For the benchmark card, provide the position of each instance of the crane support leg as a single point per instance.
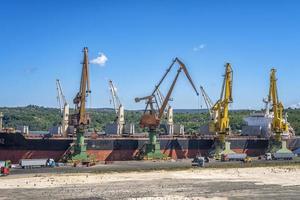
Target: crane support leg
(152, 151)
(220, 147)
(79, 154)
(278, 146)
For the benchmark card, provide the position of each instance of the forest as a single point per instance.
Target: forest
(41, 118)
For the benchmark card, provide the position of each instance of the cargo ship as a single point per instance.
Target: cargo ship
(254, 139)
(15, 146)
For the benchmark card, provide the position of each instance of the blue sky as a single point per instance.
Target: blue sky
(43, 40)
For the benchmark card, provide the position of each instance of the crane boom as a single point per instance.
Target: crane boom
(119, 109)
(167, 98)
(182, 66)
(60, 95)
(207, 100)
(84, 91)
(115, 98)
(152, 119)
(161, 98)
(64, 108)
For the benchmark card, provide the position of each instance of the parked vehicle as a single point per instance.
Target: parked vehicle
(32, 163)
(5, 168)
(280, 156)
(283, 156)
(268, 156)
(51, 162)
(233, 157)
(198, 161)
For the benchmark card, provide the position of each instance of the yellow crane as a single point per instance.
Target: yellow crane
(279, 124)
(219, 123)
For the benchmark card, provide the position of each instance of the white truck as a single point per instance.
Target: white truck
(233, 157)
(283, 156)
(279, 156)
(32, 163)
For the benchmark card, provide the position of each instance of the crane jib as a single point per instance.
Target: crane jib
(153, 118)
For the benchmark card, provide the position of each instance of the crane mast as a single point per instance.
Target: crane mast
(64, 108)
(220, 123)
(118, 107)
(84, 91)
(279, 124)
(152, 117)
(80, 120)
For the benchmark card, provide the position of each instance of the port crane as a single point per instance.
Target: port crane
(279, 123)
(118, 107)
(64, 108)
(208, 101)
(80, 120)
(219, 123)
(152, 116)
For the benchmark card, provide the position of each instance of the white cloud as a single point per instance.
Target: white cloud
(199, 47)
(100, 60)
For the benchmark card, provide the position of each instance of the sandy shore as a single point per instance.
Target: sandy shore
(186, 184)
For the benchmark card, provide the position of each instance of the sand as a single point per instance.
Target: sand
(185, 184)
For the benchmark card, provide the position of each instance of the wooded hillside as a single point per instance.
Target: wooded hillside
(41, 118)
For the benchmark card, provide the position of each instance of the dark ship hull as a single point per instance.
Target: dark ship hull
(14, 146)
